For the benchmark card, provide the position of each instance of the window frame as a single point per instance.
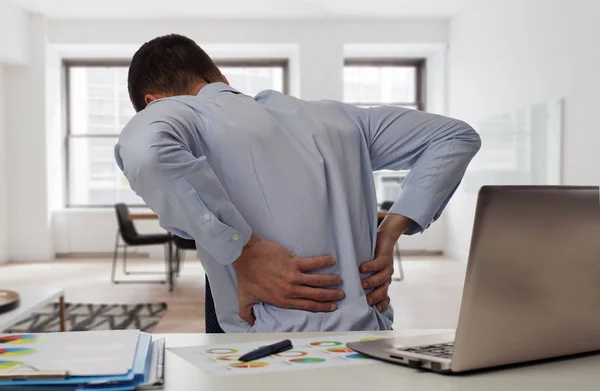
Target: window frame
(420, 71)
(67, 64)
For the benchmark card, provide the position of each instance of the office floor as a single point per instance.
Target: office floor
(429, 296)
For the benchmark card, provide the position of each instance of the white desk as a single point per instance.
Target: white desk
(31, 301)
(579, 374)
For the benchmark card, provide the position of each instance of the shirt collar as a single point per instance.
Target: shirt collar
(212, 89)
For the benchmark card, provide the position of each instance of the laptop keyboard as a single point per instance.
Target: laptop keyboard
(442, 350)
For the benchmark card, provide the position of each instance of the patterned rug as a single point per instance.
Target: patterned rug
(85, 317)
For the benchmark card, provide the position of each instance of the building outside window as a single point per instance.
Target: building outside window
(384, 82)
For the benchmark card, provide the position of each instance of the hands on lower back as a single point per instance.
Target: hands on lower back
(382, 265)
(267, 272)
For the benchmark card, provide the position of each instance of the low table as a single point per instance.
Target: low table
(31, 301)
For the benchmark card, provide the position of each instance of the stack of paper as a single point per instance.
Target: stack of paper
(107, 360)
(306, 354)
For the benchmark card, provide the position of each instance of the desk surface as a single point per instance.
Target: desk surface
(581, 373)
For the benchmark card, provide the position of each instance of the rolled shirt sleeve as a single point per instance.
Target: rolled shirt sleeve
(436, 150)
(160, 154)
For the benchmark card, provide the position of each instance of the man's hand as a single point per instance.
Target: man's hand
(382, 266)
(268, 273)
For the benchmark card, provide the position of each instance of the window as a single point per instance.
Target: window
(98, 107)
(384, 82)
(370, 83)
(252, 77)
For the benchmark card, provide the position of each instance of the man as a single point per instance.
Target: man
(278, 192)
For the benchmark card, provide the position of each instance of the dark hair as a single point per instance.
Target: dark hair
(169, 64)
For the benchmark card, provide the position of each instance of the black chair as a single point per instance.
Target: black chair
(180, 246)
(385, 206)
(210, 314)
(131, 237)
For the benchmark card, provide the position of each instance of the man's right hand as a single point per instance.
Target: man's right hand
(268, 273)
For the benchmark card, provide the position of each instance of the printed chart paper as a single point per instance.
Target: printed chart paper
(89, 353)
(308, 353)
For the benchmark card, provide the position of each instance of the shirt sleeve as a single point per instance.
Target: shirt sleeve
(436, 150)
(160, 156)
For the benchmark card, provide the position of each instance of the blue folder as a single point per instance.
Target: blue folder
(138, 375)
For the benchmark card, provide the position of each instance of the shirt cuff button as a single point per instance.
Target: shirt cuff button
(235, 237)
(206, 216)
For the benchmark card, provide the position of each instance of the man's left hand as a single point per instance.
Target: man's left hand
(382, 266)
(382, 269)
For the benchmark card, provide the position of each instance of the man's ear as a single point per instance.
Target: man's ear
(151, 97)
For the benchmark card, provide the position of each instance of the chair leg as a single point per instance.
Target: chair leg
(165, 257)
(170, 260)
(399, 263)
(180, 257)
(175, 260)
(114, 267)
(168, 255)
(175, 254)
(125, 260)
(115, 254)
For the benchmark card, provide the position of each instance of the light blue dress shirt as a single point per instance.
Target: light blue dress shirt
(220, 165)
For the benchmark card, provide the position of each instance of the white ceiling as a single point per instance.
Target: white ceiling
(244, 9)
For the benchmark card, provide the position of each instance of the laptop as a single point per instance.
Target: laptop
(532, 287)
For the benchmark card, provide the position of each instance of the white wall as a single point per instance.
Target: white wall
(13, 33)
(316, 51)
(29, 217)
(3, 192)
(13, 50)
(512, 53)
(320, 42)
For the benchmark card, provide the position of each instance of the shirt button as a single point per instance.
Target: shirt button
(206, 216)
(235, 237)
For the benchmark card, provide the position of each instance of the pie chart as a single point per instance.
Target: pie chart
(355, 356)
(307, 360)
(18, 339)
(229, 357)
(325, 343)
(249, 365)
(292, 353)
(340, 349)
(221, 351)
(8, 365)
(14, 352)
